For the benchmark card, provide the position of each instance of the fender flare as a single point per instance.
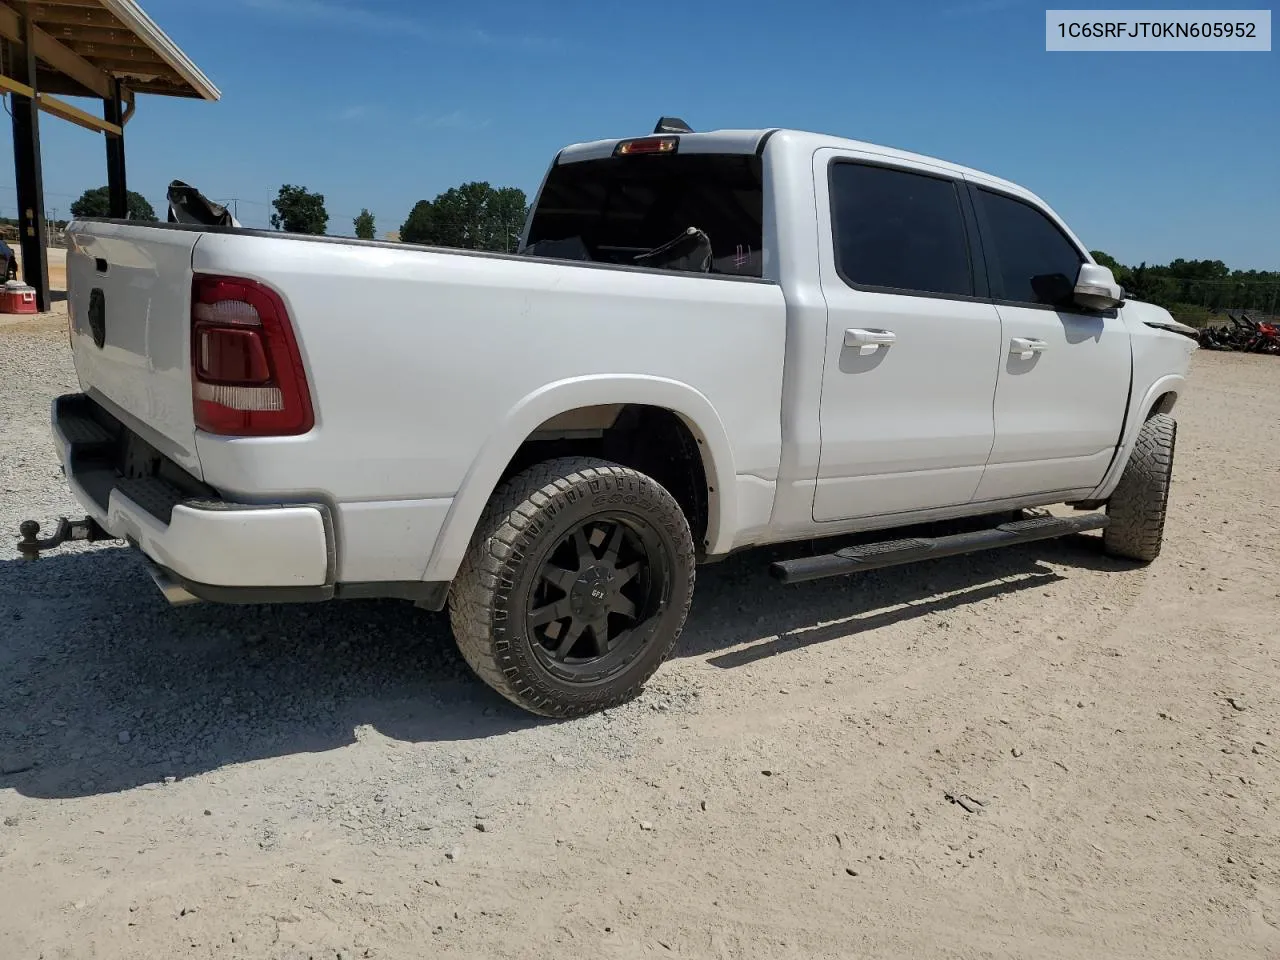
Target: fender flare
(1173, 383)
(561, 397)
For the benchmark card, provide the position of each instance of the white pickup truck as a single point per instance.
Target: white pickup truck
(706, 342)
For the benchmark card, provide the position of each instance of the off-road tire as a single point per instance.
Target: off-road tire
(1137, 507)
(527, 517)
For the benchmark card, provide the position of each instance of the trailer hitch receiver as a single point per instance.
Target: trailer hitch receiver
(30, 546)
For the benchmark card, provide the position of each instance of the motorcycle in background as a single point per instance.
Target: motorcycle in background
(1242, 334)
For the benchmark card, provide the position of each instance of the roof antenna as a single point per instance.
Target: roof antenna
(672, 125)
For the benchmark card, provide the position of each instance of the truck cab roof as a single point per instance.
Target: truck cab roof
(803, 141)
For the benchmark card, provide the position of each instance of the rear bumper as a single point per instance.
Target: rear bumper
(229, 546)
(182, 525)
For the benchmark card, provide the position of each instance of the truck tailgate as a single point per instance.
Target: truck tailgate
(129, 299)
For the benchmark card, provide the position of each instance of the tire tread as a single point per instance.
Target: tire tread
(1140, 502)
(490, 561)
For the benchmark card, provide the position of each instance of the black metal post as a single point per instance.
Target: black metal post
(30, 180)
(117, 188)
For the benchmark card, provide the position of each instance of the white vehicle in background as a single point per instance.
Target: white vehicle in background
(708, 342)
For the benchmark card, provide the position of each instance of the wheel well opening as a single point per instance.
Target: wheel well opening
(653, 440)
(1163, 405)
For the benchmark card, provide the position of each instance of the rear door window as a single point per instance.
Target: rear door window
(898, 230)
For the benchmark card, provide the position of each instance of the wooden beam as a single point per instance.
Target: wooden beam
(60, 57)
(14, 86)
(164, 89)
(71, 63)
(83, 34)
(88, 17)
(134, 68)
(52, 81)
(116, 51)
(60, 108)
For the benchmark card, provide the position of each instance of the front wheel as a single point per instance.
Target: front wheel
(575, 587)
(1137, 507)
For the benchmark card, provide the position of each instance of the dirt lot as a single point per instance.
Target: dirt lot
(328, 781)
(57, 269)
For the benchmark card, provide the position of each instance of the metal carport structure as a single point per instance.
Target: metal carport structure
(108, 50)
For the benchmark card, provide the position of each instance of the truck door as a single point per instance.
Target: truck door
(913, 340)
(1064, 371)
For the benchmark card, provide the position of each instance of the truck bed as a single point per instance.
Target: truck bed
(425, 366)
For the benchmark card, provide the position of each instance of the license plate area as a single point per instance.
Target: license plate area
(106, 455)
(135, 458)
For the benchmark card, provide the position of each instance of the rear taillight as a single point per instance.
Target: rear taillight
(247, 378)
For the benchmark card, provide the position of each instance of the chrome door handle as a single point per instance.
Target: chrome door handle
(1024, 348)
(869, 341)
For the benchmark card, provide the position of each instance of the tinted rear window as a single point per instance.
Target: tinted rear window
(622, 207)
(899, 230)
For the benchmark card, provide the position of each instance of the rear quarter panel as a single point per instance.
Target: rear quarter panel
(427, 368)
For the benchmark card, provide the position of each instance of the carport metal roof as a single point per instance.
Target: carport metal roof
(104, 49)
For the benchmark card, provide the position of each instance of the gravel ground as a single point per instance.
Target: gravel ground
(328, 781)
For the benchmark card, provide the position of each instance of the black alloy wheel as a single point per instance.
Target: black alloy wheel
(576, 586)
(596, 590)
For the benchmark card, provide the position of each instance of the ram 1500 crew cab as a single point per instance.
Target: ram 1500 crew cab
(705, 342)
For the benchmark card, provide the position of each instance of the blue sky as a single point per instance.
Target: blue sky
(380, 103)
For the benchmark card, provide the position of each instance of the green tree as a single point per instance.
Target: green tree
(97, 203)
(506, 210)
(1193, 290)
(1140, 281)
(420, 226)
(1118, 269)
(298, 210)
(1106, 260)
(364, 225)
(472, 216)
(461, 216)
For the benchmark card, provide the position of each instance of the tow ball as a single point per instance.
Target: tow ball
(30, 546)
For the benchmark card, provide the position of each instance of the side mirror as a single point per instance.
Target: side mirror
(1096, 288)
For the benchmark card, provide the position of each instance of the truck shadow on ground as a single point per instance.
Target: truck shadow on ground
(103, 687)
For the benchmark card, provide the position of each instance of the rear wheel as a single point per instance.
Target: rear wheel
(1138, 506)
(575, 587)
